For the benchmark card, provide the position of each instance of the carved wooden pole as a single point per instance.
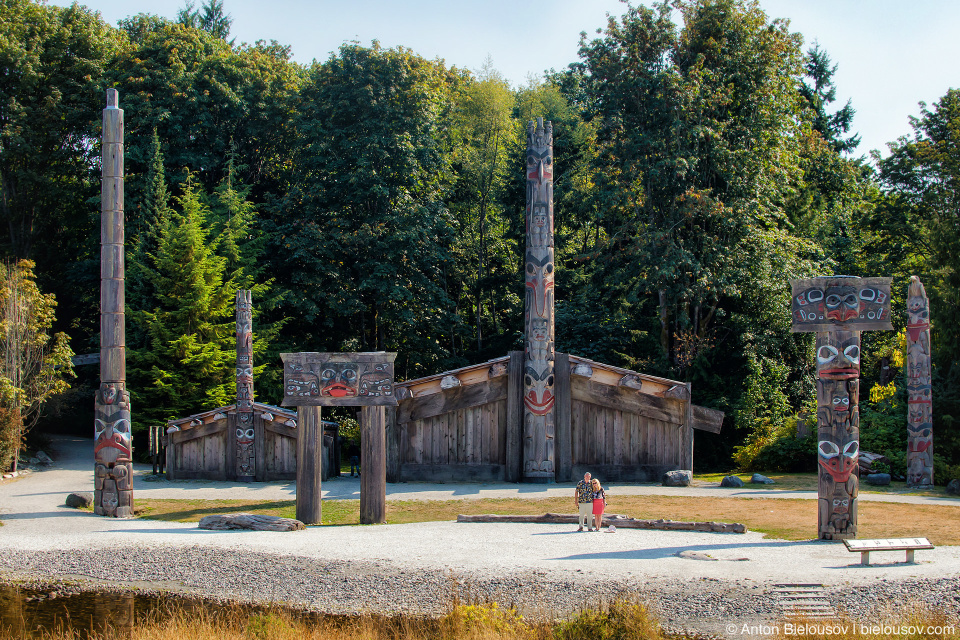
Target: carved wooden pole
(112, 448)
(919, 396)
(309, 464)
(838, 308)
(373, 480)
(245, 434)
(539, 418)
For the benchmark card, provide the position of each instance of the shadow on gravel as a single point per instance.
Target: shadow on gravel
(666, 552)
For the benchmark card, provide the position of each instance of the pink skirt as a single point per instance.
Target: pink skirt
(598, 507)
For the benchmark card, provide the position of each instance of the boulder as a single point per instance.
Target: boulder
(254, 522)
(760, 479)
(953, 487)
(679, 478)
(44, 458)
(878, 479)
(33, 461)
(731, 481)
(79, 499)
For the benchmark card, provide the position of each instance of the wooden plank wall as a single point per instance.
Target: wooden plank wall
(198, 452)
(468, 444)
(618, 445)
(279, 451)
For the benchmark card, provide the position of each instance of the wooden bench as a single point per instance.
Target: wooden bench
(890, 544)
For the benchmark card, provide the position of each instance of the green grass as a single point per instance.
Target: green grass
(808, 482)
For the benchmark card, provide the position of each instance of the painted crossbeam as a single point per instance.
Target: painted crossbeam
(338, 379)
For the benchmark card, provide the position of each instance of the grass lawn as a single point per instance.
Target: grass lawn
(778, 518)
(808, 482)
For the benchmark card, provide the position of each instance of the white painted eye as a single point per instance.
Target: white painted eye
(249, 433)
(239, 433)
(852, 353)
(828, 449)
(851, 449)
(815, 295)
(826, 354)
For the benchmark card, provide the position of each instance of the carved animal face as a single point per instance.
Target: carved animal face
(339, 379)
(108, 392)
(111, 441)
(838, 355)
(245, 436)
(538, 391)
(838, 460)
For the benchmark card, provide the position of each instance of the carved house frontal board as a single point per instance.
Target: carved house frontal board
(338, 379)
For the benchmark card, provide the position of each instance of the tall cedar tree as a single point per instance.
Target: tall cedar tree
(364, 243)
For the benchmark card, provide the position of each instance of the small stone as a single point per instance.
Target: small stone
(758, 478)
(953, 487)
(678, 478)
(878, 479)
(79, 499)
(7, 476)
(731, 481)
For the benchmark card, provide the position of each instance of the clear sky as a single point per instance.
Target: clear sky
(891, 54)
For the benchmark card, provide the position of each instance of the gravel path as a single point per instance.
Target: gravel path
(420, 567)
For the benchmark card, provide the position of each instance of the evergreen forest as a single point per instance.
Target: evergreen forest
(374, 201)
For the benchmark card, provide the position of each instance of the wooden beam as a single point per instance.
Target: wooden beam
(309, 452)
(280, 428)
(192, 433)
(707, 419)
(453, 399)
(514, 445)
(564, 443)
(373, 461)
(686, 432)
(623, 399)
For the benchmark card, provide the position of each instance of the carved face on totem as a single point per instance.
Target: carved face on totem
(244, 373)
(838, 355)
(539, 282)
(838, 460)
(918, 312)
(339, 380)
(375, 383)
(539, 330)
(111, 441)
(109, 392)
(538, 389)
(826, 304)
(245, 436)
(539, 165)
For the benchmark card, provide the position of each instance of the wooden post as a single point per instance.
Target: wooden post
(686, 433)
(838, 308)
(112, 449)
(373, 479)
(309, 450)
(564, 449)
(919, 391)
(539, 415)
(245, 436)
(514, 440)
(393, 445)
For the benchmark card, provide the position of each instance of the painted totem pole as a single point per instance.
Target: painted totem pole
(538, 378)
(246, 457)
(112, 448)
(838, 308)
(919, 397)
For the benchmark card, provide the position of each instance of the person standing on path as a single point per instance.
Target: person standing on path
(599, 503)
(583, 495)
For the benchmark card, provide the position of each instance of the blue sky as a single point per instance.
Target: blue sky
(891, 54)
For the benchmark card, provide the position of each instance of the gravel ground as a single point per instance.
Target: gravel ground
(694, 580)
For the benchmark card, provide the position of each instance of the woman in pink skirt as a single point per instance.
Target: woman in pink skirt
(599, 502)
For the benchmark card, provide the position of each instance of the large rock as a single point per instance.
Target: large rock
(953, 487)
(878, 479)
(679, 478)
(79, 500)
(731, 481)
(250, 521)
(758, 478)
(866, 460)
(44, 458)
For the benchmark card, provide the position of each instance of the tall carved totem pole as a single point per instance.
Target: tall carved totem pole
(919, 396)
(838, 308)
(538, 393)
(112, 448)
(246, 435)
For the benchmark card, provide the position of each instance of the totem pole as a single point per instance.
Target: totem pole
(112, 449)
(538, 378)
(919, 405)
(246, 457)
(838, 308)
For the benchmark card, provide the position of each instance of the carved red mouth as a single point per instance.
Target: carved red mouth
(338, 390)
(115, 442)
(842, 314)
(839, 467)
(846, 373)
(539, 407)
(918, 446)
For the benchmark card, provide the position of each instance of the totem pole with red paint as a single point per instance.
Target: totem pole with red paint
(838, 308)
